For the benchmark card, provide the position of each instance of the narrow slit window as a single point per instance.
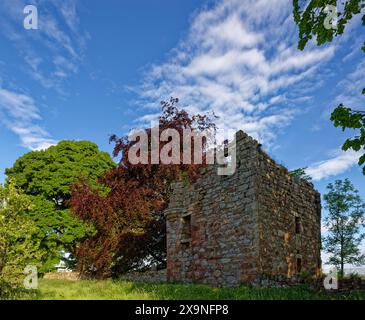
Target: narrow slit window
(297, 225)
(226, 153)
(299, 265)
(186, 229)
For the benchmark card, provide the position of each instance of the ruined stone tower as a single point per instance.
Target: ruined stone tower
(259, 222)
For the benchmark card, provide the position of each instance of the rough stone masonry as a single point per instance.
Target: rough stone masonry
(257, 223)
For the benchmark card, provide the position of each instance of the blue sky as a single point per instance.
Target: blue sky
(91, 70)
(95, 68)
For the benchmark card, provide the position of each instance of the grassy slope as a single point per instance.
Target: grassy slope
(108, 289)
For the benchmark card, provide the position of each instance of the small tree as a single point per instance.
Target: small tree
(301, 174)
(17, 245)
(343, 222)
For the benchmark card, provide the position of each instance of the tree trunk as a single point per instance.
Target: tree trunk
(342, 259)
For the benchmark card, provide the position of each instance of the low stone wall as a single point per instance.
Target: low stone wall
(351, 284)
(73, 276)
(147, 276)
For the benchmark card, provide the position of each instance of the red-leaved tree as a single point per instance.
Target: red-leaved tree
(129, 222)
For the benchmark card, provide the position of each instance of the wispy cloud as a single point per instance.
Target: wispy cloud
(51, 54)
(59, 37)
(19, 113)
(240, 59)
(337, 164)
(351, 88)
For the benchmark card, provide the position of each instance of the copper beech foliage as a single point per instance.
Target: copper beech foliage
(129, 222)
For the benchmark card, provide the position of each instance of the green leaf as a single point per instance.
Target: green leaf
(362, 160)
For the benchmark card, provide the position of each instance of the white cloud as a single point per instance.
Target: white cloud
(240, 59)
(51, 54)
(351, 88)
(232, 32)
(18, 112)
(338, 164)
(58, 35)
(19, 106)
(33, 137)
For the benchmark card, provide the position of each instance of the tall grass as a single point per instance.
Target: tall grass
(124, 290)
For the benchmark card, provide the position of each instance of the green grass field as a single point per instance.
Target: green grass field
(121, 290)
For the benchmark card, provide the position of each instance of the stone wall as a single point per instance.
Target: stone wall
(223, 245)
(289, 222)
(73, 276)
(151, 276)
(226, 230)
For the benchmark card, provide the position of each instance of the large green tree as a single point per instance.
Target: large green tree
(18, 246)
(314, 20)
(343, 222)
(47, 176)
